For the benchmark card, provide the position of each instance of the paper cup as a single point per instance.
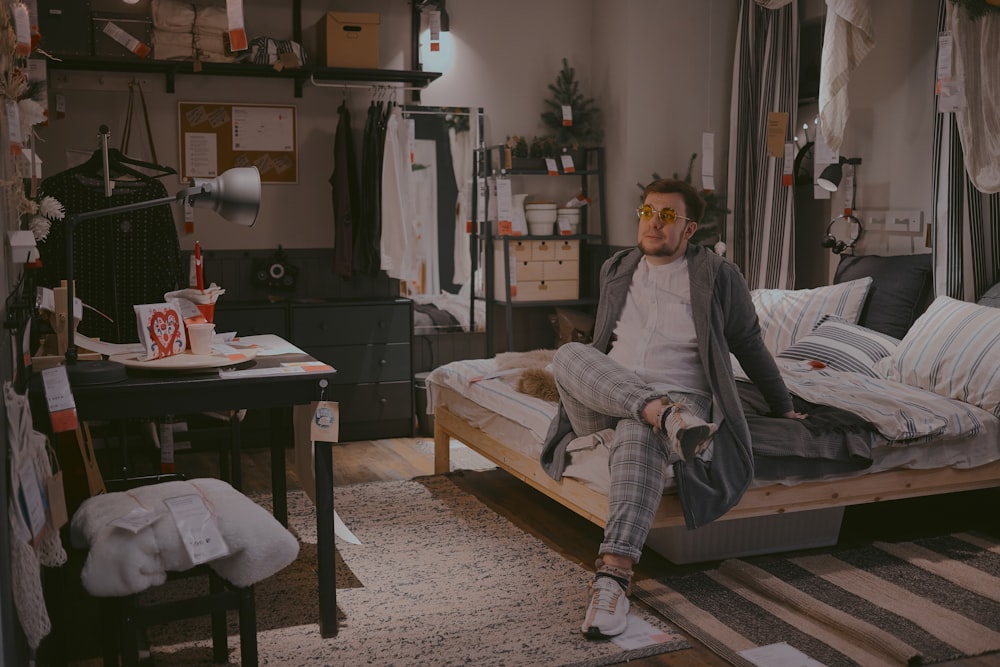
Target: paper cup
(200, 338)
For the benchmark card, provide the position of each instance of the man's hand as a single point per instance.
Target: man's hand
(792, 414)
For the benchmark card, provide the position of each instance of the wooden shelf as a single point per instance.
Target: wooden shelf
(299, 75)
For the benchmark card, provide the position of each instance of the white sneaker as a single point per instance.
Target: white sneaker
(688, 434)
(607, 613)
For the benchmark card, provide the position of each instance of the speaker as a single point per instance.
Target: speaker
(275, 272)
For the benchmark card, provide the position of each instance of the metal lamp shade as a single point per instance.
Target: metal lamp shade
(831, 177)
(234, 195)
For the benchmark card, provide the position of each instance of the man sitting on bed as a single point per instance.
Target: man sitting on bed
(659, 372)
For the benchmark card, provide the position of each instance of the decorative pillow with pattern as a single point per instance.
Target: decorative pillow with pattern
(789, 315)
(842, 346)
(953, 349)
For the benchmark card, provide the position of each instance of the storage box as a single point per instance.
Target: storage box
(752, 536)
(126, 26)
(348, 39)
(63, 27)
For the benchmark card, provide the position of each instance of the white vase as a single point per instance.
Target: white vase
(517, 213)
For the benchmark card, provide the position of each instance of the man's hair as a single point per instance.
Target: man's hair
(694, 205)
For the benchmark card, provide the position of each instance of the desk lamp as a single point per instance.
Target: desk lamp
(235, 196)
(830, 180)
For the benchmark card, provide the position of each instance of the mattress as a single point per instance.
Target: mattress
(473, 391)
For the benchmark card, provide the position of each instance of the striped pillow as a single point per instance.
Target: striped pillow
(953, 349)
(843, 346)
(788, 315)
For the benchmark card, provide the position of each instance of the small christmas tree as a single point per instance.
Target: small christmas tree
(583, 127)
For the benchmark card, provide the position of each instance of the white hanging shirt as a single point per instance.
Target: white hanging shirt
(655, 336)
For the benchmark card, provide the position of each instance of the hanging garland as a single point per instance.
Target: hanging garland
(978, 8)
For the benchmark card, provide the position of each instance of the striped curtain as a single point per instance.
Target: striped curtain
(760, 230)
(966, 234)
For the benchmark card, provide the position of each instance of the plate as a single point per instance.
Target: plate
(185, 361)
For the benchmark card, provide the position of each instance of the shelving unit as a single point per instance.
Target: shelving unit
(299, 76)
(551, 248)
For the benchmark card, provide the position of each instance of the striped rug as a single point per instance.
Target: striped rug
(919, 602)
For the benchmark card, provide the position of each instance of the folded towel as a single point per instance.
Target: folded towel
(847, 40)
(120, 562)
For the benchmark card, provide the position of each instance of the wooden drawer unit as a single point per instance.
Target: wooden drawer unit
(369, 343)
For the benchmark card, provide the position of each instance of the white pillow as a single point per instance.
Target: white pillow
(953, 349)
(842, 346)
(788, 315)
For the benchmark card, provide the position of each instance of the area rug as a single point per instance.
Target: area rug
(460, 457)
(444, 581)
(919, 602)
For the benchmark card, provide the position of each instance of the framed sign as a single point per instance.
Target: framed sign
(215, 137)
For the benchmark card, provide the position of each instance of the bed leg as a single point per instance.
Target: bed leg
(442, 450)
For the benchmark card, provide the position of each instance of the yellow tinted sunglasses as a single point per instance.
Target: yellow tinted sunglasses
(667, 215)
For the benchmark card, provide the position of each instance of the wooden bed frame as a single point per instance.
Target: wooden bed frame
(757, 501)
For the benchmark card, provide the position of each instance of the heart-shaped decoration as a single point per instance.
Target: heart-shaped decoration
(165, 332)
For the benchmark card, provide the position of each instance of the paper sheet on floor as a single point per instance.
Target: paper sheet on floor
(342, 531)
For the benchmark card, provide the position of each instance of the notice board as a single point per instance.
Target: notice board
(215, 137)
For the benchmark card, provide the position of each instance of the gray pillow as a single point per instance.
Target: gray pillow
(991, 297)
(902, 288)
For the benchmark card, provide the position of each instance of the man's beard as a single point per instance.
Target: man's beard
(661, 250)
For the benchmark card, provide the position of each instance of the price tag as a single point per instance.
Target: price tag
(944, 60)
(237, 32)
(505, 207)
(128, 41)
(200, 535)
(22, 29)
(325, 426)
(551, 167)
(13, 127)
(59, 397)
(56, 494)
(786, 170)
(567, 115)
(29, 496)
(567, 164)
(434, 21)
(137, 519)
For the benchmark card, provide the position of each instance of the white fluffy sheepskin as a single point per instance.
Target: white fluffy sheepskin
(120, 562)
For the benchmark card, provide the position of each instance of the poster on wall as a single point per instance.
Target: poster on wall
(214, 137)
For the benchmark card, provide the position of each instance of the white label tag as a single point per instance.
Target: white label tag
(567, 115)
(122, 37)
(944, 59)
(708, 161)
(434, 21)
(567, 163)
(59, 397)
(199, 533)
(237, 31)
(325, 426)
(551, 166)
(13, 127)
(137, 519)
(30, 498)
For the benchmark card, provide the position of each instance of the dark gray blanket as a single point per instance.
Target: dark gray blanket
(829, 441)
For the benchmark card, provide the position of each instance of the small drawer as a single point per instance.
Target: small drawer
(251, 321)
(542, 290)
(350, 325)
(543, 250)
(560, 270)
(567, 250)
(366, 363)
(519, 249)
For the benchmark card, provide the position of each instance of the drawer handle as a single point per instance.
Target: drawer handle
(382, 362)
(383, 400)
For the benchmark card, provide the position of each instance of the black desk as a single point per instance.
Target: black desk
(147, 394)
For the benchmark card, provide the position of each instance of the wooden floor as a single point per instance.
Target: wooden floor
(577, 539)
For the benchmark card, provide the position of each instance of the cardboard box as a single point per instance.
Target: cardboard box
(348, 39)
(62, 24)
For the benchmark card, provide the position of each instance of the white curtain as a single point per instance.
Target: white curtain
(966, 218)
(847, 39)
(760, 230)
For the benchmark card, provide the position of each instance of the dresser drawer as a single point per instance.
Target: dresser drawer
(252, 320)
(365, 363)
(370, 411)
(351, 324)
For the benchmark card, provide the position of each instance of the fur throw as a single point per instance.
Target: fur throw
(536, 378)
(120, 562)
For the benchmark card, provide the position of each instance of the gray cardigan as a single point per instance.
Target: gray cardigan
(724, 321)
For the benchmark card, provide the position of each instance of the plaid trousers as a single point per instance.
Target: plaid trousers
(598, 393)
